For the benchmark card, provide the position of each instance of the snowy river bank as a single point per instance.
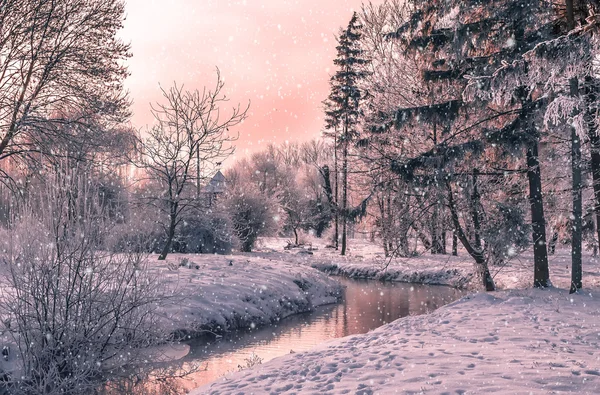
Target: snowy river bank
(517, 340)
(220, 294)
(532, 341)
(366, 305)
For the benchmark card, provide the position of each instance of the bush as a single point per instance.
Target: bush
(76, 313)
(252, 215)
(139, 234)
(208, 232)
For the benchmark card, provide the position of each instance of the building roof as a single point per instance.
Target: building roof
(217, 184)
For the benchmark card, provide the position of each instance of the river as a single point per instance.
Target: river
(367, 304)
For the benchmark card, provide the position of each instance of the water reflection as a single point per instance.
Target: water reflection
(367, 305)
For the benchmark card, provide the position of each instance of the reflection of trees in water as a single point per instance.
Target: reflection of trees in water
(132, 386)
(369, 305)
(170, 379)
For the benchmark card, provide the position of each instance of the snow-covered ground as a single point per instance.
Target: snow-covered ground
(518, 340)
(224, 293)
(366, 260)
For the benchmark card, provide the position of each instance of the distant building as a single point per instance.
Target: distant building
(215, 187)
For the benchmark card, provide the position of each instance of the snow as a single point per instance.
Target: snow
(224, 293)
(518, 340)
(366, 260)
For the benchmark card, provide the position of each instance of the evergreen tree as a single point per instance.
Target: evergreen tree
(576, 239)
(560, 65)
(486, 37)
(554, 69)
(344, 109)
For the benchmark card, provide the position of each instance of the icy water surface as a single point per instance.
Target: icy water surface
(367, 304)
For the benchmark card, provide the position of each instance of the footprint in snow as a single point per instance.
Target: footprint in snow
(363, 389)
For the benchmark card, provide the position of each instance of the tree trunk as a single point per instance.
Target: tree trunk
(336, 236)
(170, 233)
(420, 232)
(438, 235)
(323, 220)
(421, 236)
(592, 132)
(386, 249)
(576, 266)
(198, 173)
(383, 225)
(387, 224)
(344, 196)
(477, 254)
(438, 244)
(403, 226)
(475, 203)
(454, 243)
(552, 244)
(435, 247)
(326, 173)
(443, 240)
(541, 274)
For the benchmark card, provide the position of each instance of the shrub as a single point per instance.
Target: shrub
(252, 215)
(75, 312)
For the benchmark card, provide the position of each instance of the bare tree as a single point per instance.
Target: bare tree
(58, 58)
(190, 132)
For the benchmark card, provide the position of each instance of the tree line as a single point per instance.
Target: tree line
(472, 119)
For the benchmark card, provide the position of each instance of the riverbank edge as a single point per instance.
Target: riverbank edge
(239, 323)
(455, 278)
(303, 292)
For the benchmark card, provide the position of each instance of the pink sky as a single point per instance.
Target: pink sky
(276, 53)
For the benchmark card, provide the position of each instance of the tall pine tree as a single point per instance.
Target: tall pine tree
(562, 66)
(345, 106)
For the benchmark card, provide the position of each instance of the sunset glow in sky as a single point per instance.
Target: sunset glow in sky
(276, 53)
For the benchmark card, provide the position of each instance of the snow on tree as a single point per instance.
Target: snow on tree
(61, 64)
(477, 100)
